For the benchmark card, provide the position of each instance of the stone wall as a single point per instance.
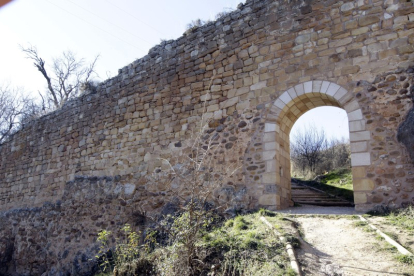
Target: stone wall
(60, 238)
(250, 75)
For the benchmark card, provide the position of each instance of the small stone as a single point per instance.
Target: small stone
(306, 9)
(220, 128)
(242, 124)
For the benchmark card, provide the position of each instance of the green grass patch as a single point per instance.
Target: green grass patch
(364, 226)
(360, 223)
(403, 218)
(405, 259)
(245, 246)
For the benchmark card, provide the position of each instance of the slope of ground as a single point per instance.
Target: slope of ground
(337, 246)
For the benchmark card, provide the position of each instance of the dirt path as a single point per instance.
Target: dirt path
(336, 247)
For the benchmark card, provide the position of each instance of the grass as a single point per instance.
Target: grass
(338, 183)
(403, 218)
(409, 260)
(243, 245)
(364, 226)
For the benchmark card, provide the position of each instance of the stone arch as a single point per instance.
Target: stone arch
(281, 116)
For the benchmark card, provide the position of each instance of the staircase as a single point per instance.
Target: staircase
(305, 195)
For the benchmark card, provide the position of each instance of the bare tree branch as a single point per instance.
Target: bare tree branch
(14, 107)
(66, 76)
(307, 146)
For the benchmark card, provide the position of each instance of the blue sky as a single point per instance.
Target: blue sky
(120, 31)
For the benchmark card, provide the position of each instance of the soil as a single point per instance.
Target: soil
(335, 246)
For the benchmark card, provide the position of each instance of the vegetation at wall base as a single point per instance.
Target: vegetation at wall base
(239, 246)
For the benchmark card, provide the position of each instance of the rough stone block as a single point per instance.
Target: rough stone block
(302, 38)
(332, 89)
(364, 184)
(270, 127)
(350, 69)
(355, 115)
(269, 155)
(368, 20)
(292, 93)
(347, 7)
(360, 31)
(340, 93)
(268, 200)
(351, 106)
(269, 137)
(258, 85)
(299, 89)
(269, 178)
(285, 97)
(270, 146)
(358, 172)
(308, 86)
(325, 86)
(271, 166)
(360, 198)
(359, 146)
(357, 125)
(279, 104)
(229, 102)
(361, 159)
(316, 86)
(359, 136)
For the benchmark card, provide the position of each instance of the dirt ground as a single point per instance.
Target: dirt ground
(335, 246)
(403, 237)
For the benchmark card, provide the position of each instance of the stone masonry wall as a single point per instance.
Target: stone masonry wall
(250, 74)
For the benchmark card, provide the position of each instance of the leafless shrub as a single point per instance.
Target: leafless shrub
(196, 23)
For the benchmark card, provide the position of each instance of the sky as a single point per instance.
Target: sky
(119, 31)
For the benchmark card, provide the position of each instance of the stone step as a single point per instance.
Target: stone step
(325, 203)
(307, 196)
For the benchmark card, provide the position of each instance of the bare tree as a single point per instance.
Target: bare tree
(13, 107)
(65, 78)
(307, 147)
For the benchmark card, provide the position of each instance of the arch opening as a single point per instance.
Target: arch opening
(319, 146)
(284, 112)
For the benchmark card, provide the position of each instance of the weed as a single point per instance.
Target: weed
(266, 213)
(405, 259)
(128, 255)
(360, 223)
(392, 235)
(294, 241)
(403, 218)
(240, 223)
(229, 223)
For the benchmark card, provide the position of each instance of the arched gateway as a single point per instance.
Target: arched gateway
(275, 137)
